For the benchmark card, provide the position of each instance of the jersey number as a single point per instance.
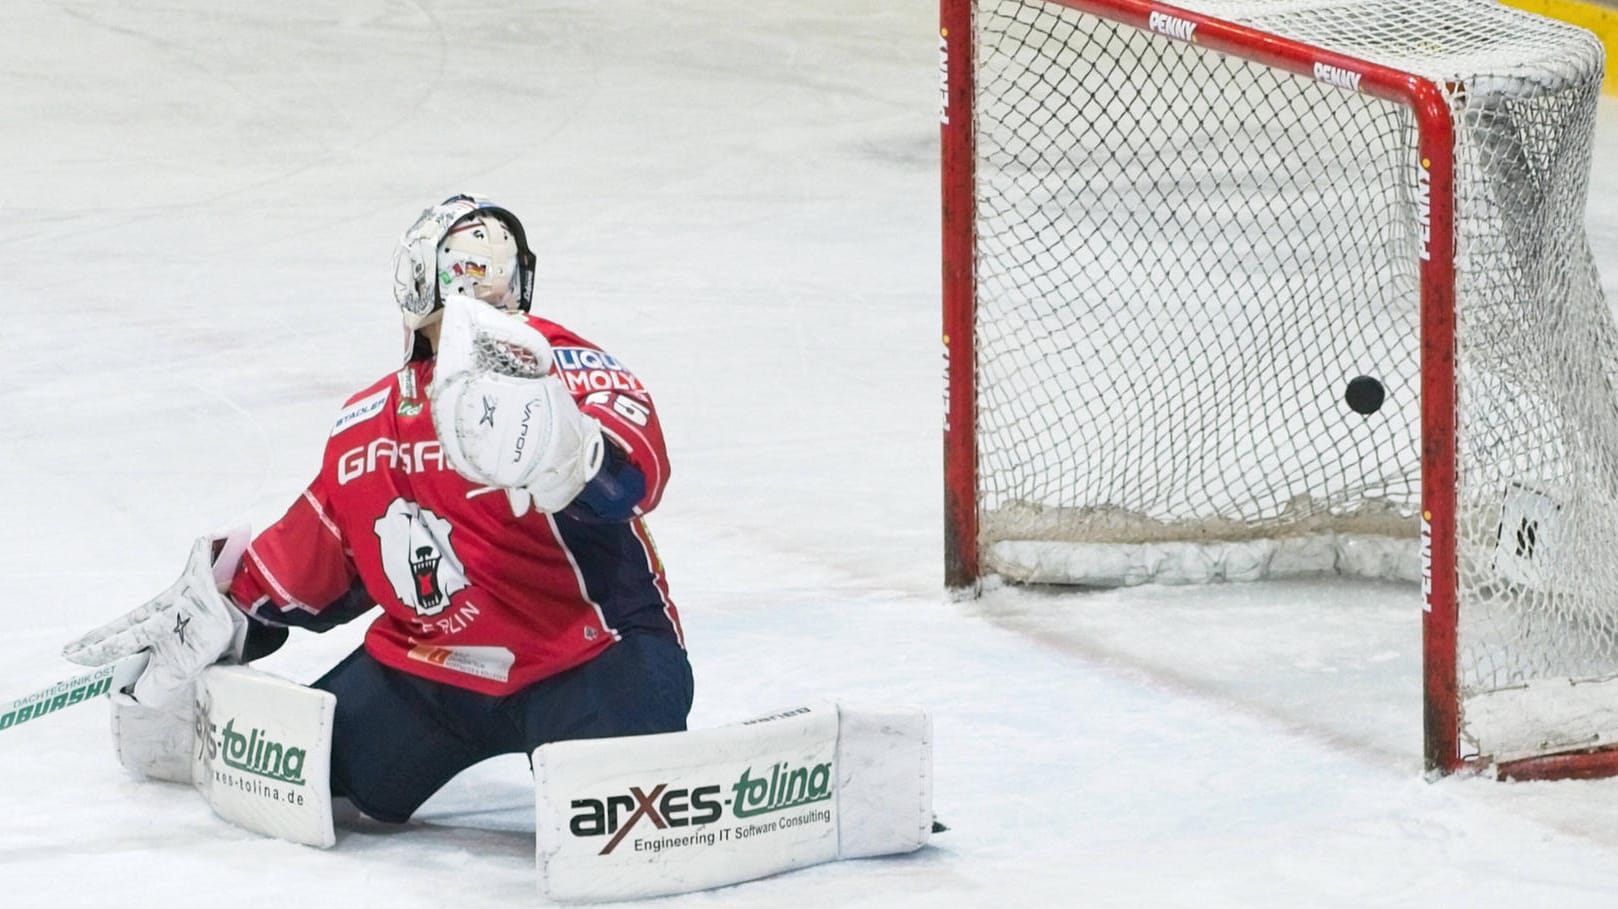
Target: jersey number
(622, 405)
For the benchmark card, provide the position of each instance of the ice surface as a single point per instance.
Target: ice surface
(740, 200)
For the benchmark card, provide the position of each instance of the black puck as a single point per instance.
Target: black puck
(1364, 394)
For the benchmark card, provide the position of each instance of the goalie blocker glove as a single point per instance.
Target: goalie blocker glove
(185, 629)
(503, 417)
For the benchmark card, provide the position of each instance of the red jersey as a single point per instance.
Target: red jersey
(471, 595)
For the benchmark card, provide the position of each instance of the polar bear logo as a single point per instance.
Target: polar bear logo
(417, 557)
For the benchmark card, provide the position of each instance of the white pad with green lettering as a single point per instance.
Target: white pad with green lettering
(640, 816)
(262, 757)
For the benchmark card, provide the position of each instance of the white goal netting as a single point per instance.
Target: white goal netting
(1182, 261)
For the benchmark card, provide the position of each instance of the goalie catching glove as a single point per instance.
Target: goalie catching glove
(503, 417)
(185, 629)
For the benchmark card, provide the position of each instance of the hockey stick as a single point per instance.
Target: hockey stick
(76, 690)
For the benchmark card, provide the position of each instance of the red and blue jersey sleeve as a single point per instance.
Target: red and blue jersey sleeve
(636, 471)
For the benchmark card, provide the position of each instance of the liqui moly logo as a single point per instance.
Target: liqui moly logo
(943, 77)
(1173, 26)
(586, 369)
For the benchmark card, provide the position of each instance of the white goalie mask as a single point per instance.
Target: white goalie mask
(464, 246)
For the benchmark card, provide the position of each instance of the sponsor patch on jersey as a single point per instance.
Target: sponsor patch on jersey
(586, 369)
(360, 411)
(492, 663)
(409, 405)
(386, 454)
(407, 382)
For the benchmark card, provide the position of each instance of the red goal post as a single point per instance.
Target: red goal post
(1429, 105)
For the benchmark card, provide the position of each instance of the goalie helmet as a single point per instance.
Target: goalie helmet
(467, 246)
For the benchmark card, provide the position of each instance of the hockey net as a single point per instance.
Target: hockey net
(1173, 238)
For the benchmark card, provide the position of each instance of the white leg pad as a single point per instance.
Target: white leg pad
(154, 742)
(884, 780)
(263, 761)
(640, 816)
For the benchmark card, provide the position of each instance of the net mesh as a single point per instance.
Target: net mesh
(1184, 258)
